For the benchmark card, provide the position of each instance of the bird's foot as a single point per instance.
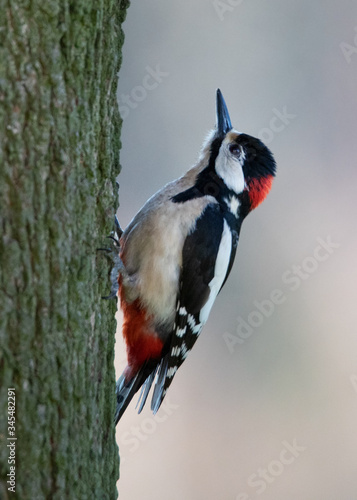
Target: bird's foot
(118, 268)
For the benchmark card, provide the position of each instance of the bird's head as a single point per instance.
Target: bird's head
(244, 164)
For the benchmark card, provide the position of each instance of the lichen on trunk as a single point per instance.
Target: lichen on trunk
(59, 158)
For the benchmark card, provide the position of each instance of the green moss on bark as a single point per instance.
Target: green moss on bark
(59, 157)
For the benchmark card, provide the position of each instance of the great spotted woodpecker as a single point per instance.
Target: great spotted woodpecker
(177, 252)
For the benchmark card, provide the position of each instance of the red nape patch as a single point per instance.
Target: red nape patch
(259, 189)
(142, 342)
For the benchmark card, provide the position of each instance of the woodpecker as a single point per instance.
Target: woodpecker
(177, 252)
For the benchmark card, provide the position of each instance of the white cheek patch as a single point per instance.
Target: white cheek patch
(230, 170)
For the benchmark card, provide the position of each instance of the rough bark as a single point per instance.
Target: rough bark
(59, 157)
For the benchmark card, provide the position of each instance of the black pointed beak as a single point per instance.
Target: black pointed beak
(223, 121)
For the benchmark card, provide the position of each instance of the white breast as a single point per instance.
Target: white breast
(152, 251)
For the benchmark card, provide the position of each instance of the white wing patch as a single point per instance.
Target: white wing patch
(220, 271)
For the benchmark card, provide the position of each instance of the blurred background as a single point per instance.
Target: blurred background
(266, 404)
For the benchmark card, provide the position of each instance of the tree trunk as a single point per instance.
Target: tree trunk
(59, 157)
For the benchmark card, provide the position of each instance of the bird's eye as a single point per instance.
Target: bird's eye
(235, 149)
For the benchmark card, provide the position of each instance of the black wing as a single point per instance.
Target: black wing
(199, 269)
